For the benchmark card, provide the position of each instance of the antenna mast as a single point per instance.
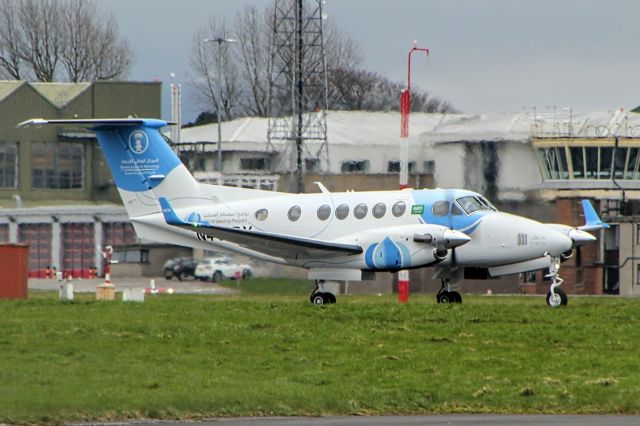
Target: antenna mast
(298, 87)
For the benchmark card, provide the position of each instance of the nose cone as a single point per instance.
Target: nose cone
(453, 238)
(581, 237)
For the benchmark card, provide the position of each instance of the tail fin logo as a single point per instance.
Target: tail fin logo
(138, 141)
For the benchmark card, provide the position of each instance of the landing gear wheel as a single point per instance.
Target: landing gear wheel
(444, 297)
(321, 297)
(455, 297)
(557, 298)
(329, 298)
(317, 299)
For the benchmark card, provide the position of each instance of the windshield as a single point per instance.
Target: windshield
(472, 204)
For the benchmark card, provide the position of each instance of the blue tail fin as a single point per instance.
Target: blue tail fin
(592, 220)
(142, 163)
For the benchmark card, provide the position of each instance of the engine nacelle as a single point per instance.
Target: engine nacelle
(442, 238)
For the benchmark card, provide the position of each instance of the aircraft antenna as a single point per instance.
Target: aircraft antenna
(298, 88)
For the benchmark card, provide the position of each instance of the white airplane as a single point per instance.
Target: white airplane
(336, 236)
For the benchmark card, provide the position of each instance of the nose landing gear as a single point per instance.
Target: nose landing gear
(321, 297)
(556, 296)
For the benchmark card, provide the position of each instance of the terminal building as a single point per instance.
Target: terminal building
(57, 194)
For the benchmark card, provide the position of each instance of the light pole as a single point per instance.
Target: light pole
(220, 40)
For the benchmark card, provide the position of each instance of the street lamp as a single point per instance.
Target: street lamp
(220, 40)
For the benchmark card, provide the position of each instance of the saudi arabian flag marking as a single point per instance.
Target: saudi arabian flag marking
(417, 209)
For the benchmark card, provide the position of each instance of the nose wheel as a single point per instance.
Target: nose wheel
(556, 296)
(321, 297)
(446, 295)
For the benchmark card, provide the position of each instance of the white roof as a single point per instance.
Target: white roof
(364, 128)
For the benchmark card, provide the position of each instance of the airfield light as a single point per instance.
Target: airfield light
(219, 41)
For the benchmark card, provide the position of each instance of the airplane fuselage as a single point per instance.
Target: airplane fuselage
(385, 224)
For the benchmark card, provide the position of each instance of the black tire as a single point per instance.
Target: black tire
(455, 297)
(553, 301)
(444, 297)
(217, 277)
(168, 277)
(317, 299)
(329, 298)
(182, 276)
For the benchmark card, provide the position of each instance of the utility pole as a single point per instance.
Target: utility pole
(298, 89)
(219, 41)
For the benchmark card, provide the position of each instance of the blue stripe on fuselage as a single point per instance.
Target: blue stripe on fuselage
(464, 223)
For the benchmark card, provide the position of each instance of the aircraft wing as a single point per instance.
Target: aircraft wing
(279, 245)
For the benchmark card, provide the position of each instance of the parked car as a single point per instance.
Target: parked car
(218, 268)
(180, 267)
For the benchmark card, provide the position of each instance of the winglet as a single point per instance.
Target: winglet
(592, 220)
(169, 214)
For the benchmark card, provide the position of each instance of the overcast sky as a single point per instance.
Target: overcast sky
(486, 55)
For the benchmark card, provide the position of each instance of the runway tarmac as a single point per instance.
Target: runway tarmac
(428, 420)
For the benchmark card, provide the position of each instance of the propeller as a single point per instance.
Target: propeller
(450, 217)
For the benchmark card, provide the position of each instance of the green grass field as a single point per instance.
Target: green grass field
(275, 354)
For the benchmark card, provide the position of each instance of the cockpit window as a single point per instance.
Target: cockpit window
(472, 204)
(440, 208)
(455, 210)
(488, 204)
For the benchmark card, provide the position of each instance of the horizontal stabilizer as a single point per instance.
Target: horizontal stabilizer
(281, 245)
(592, 220)
(98, 122)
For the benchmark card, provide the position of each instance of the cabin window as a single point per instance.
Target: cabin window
(342, 211)
(360, 211)
(399, 208)
(324, 211)
(294, 213)
(262, 214)
(379, 210)
(440, 208)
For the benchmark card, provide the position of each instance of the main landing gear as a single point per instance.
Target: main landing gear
(556, 296)
(321, 297)
(446, 295)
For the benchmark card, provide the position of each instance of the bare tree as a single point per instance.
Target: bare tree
(92, 49)
(11, 64)
(41, 36)
(205, 61)
(254, 28)
(49, 40)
